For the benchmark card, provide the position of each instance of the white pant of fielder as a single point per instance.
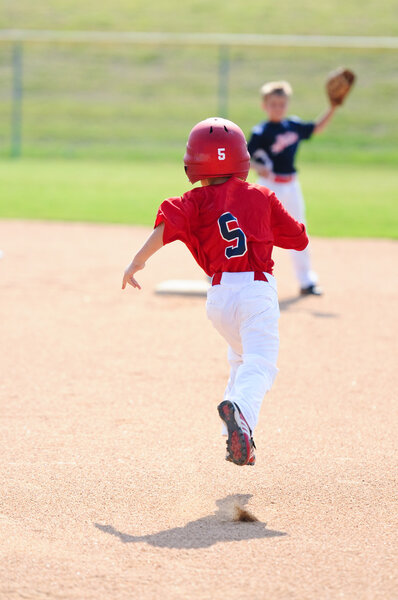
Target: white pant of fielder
(291, 197)
(246, 312)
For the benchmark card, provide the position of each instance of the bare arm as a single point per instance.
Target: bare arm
(261, 162)
(260, 169)
(323, 121)
(152, 245)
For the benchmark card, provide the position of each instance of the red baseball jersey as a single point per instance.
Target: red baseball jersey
(231, 227)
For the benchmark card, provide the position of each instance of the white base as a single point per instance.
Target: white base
(183, 287)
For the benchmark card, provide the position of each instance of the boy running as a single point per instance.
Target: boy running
(230, 227)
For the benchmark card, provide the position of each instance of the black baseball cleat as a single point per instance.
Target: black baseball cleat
(311, 290)
(240, 444)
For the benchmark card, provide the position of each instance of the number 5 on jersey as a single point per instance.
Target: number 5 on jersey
(232, 234)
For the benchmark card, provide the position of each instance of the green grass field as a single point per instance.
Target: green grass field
(104, 126)
(342, 200)
(121, 101)
(360, 17)
(133, 102)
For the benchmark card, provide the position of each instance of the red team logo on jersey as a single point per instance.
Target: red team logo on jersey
(283, 141)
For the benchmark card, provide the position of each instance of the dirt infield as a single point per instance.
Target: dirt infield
(113, 479)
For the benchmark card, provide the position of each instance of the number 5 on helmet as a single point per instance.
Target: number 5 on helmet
(216, 148)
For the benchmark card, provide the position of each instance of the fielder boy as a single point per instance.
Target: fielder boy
(230, 227)
(273, 147)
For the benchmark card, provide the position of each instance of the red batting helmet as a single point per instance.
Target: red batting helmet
(216, 148)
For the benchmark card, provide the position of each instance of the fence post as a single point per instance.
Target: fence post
(223, 76)
(16, 110)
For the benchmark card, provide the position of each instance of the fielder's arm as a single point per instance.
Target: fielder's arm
(261, 163)
(152, 245)
(260, 169)
(323, 121)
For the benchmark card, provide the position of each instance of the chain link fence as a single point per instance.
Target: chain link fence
(135, 100)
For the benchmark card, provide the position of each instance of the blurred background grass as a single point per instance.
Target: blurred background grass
(125, 110)
(340, 17)
(139, 102)
(343, 201)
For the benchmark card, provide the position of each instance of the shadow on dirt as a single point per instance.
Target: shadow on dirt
(203, 532)
(287, 303)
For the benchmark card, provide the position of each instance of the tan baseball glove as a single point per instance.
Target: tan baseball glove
(338, 85)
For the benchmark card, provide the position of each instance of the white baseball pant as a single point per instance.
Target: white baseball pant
(246, 312)
(291, 197)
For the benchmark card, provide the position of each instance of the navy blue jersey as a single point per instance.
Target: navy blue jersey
(280, 142)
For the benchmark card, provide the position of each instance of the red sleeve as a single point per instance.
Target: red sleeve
(288, 233)
(178, 215)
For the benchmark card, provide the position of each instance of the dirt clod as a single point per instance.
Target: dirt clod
(243, 514)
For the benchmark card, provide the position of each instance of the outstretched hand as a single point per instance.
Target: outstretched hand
(128, 277)
(152, 245)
